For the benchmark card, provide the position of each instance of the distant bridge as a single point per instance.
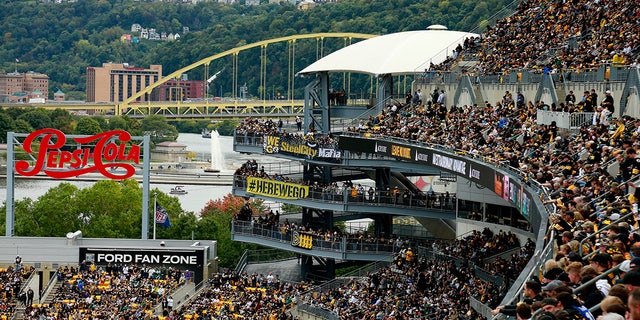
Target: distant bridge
(263, 106)
(189, 110)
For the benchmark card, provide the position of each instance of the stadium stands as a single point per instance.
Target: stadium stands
(594, 211)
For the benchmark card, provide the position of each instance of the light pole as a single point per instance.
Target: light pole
(155, 208)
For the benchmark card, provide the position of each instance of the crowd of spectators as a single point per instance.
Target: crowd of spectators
(112, 292)
(560, 35)
(267, 127)
(229, 295)
(572, 168)
(416, 287)
(11, 285)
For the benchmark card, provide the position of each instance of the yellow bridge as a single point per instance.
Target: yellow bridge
(189, 110)
(212, 108)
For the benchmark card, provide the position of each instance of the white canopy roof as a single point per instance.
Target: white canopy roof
(396, 53)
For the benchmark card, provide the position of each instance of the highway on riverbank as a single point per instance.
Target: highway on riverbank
(155, 177)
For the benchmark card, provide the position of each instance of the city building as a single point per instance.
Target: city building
(59, 95)
(179, 90)
(116, 82)
(36, 81)
(169, 151)
(20, 87)
(306, 4)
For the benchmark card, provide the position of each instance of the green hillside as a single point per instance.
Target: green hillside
(62, 40)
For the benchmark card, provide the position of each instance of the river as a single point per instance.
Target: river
(194, 201)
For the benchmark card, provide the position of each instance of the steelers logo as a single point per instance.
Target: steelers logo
(270, 149)
(296, 239)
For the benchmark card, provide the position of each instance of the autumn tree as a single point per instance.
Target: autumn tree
(216, 219)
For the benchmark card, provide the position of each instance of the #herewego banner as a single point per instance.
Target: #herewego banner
(103, 153)
(276, 189)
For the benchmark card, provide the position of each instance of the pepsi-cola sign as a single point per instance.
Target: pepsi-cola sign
(103, 153)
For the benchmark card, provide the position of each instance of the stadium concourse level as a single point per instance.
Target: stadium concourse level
(352, 192)
(557, 36)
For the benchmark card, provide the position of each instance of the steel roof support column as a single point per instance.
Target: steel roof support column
(316, 105)
(10, 185)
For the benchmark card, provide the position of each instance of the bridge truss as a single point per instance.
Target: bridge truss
(286, 106)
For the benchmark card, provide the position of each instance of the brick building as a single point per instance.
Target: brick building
(116, 82)
(20, 87)
(180, 90)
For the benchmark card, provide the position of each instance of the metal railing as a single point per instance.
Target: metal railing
(268, 255)
(387, 198)
(565, 120)
(242, 263)
(317, 312)
(342, 244)
(339, 281)
(191, 295)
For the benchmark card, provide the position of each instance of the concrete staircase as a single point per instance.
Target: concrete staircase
(480, 99)
(19, 313)
(466, 65)
(180, 296)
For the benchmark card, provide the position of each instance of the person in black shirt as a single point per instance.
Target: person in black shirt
(608, 102)
(570, 98)
(531, 293)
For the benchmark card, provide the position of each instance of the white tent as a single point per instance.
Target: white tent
(396, 53)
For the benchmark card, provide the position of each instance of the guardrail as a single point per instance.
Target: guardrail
(565, 120)
(191, 294)
(339, 281)
(242, 263)
(415, 200)
(313, 312)
(339, 244)
(52, 283)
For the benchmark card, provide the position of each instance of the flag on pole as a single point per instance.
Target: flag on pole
(162, 217)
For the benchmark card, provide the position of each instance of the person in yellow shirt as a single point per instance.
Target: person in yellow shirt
(410, 256)
(618, 59)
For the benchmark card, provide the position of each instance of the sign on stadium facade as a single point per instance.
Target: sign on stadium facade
(190, 259)
(299, 147)
(509, 189)
(276, 189)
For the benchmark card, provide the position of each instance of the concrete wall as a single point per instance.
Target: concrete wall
(62, 251)
(493, 92)
(465, 226)
(46, 254)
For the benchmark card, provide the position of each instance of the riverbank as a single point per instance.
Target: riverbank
(155, 177)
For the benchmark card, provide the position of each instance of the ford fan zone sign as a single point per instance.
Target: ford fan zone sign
(103, 153)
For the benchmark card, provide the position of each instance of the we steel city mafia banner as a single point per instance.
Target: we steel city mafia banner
(295, 146)
(486, 176)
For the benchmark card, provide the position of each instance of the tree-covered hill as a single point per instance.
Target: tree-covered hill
(63, 39)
